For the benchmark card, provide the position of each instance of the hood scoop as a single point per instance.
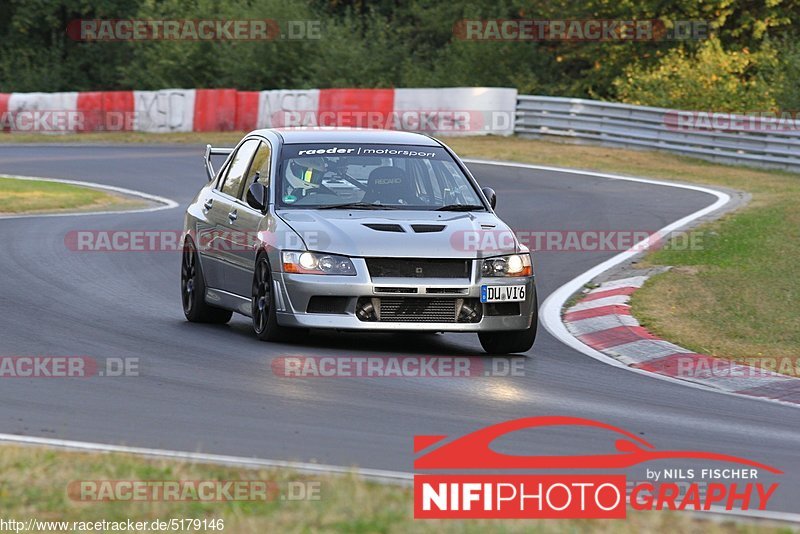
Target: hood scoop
(382, 227)
(427, 228)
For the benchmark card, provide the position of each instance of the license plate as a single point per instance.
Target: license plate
(502, 293)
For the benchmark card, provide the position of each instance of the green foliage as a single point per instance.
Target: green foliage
(786, 76)
(709, 79)
(246, 65)
(37, 55)
(356, 52)
(751, 61)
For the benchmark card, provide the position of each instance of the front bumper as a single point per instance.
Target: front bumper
(293, 293)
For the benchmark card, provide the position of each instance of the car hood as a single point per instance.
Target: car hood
(366, 233)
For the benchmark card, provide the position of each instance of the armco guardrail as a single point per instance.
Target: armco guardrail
(726, 138)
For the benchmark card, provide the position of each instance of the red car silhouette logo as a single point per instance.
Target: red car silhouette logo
(473, 451)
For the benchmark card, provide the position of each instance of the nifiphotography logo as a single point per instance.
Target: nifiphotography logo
(498, 491)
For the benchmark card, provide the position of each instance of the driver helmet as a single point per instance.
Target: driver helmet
(309, 170)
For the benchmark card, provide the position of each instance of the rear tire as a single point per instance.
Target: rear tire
(265, 318)
(193, 290)
(514, 341)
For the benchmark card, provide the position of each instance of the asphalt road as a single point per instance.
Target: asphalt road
(212, 388)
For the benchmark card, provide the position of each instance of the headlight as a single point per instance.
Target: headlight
(512, 265)
(317, 263)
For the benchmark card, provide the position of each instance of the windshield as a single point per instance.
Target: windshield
(373, 177)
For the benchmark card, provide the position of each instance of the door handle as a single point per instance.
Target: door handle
(208, 204)
(233, 216)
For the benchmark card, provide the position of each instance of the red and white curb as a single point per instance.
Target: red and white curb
(602, 320)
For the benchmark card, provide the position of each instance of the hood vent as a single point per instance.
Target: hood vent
(384, 227)
(427, 228)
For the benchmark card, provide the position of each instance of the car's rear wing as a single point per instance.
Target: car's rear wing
(212, 151)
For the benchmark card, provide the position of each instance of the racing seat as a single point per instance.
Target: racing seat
(389, 185)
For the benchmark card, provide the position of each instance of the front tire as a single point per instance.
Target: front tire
(193, 290)
(514, 341)
(265, 318)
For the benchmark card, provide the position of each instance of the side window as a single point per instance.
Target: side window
(427, 178)
(436, 189)
(221, 175)
(455, 188)
(260, 165)
(238, 167)
(451, 189)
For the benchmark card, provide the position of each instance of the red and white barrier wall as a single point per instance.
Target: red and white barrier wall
(451, 111)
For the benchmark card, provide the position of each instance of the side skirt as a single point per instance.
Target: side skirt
(223, 299)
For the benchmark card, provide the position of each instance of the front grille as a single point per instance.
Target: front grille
(384, 289)
(418, 268)
(420, 310)
(448, 290)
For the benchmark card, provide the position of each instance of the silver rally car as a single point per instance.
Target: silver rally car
(368, 230)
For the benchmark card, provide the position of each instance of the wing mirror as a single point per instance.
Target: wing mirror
(490, 195)
(258, 197)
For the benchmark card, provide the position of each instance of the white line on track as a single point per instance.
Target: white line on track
(550, 310)
(217, 459)
(377, 475)
(165, 203)
(550, 315)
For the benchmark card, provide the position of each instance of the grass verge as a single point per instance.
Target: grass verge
(36, 481)
(35, 196)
